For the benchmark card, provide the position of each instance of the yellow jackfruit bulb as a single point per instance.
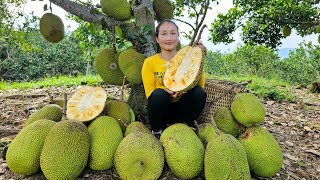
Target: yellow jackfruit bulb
(163, 9)
(23, 154)
(51, 27)
(105, 136)
(286, 31)
(130, 63)
(139, 156)
(184, 151)
(107, 66)
(120, 111)
(185, 69)
(263, 151)
(86, 103)
(226, 122)
(65, 151)
(118, 9)
(51, 111)
(136, 126)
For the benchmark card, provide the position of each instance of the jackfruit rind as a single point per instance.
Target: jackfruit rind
(105, 136)
(205, 132)
(286, 31)
(23, 154)
(120, 111)
(185, 69)
(51, 111)
(107, 66)
(51, 27)
(86, 103)
(247, 109)
(130, 63)
(226, 122)
(65, 151)
(118, 9)
(184, 151)
(225, 158)
(136, 126)
(139, 156)
(263, 151)
(163, 9)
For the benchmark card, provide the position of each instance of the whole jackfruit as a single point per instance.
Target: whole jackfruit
(163, 9)
(205, 132)
(225, 158)
(51, 111)
(65, 151)
(136, 126)
(51, 27)
(286, 31)
(130, 63)
(185, 69)
(263, 151)
(105, 136)
(118, 9)
(184, 151)
(107, 66)
(226, 122)
(23, 154)
(139, 156)
(120, 111)
(86, 103)
(58, 101)
(247, 109)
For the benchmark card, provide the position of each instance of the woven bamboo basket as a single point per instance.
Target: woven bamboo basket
(219, 94)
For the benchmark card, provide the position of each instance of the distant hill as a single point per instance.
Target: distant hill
(284, 52)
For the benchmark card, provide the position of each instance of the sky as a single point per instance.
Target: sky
(290, 42)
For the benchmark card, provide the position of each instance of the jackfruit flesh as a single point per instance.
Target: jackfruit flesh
(86, 103)
(139, 156)
(118, 9)
(51, 111)
(184, 70)
(105, 136)
(136, 126)
(51, 27)
(23, 154)
(226, 122)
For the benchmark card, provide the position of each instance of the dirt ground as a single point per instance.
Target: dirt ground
(296, 126)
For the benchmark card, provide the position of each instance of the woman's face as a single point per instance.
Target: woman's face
(168, 36)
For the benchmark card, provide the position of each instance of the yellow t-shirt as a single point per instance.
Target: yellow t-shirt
(153, 70)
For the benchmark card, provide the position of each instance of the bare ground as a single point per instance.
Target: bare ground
(296, 126)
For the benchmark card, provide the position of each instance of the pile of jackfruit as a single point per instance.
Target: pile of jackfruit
(101, 134)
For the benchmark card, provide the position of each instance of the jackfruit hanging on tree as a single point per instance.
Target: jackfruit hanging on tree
(52, 27)
(163, 9)
(118, 9)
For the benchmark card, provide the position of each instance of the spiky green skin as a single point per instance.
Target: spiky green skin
(105, 136)
(247, 109)
(139, 156)
(51, 111)
(130, 63)
(120, 111)
(118, 9)
(286, 31)
(51, 27)
(183, 149)
(23, 154)
(136, 126)
(225, 158)
(65, 151)
(163, 9)
(226, 122)
(263, 151)
(107, 66)
(205, 132)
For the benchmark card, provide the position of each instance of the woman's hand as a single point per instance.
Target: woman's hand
(174, 96)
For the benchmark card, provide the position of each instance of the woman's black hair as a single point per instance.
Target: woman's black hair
(163, 21)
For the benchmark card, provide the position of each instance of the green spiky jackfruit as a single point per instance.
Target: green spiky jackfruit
(225, 158)
(163, 9)
(120, 111)
(226, 122)
(286, 31)
(205, 132)
(23, 154)
(183, 149)
(130, 63)
(58, 101)
(51, 111)
(105, 136)
(247, 109)
(263, 151)
(51, 27)
(136, 126)
(65, 151)
(139, 156)
(107, 66)
(118, 9)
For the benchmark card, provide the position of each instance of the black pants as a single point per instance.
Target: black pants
(162, 112)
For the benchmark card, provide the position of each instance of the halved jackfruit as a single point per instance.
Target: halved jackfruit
(185, 69)
(86, 103)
